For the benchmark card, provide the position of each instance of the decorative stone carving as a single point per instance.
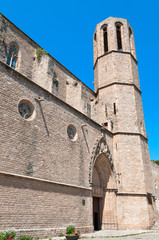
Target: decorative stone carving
(100, 147)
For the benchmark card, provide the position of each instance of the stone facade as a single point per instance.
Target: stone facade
(70, 155)
(155, 173)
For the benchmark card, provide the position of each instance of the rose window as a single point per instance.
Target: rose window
(26, 109)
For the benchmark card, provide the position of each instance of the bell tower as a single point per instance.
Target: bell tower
(113, 37)
(120, 105)
(116, 74)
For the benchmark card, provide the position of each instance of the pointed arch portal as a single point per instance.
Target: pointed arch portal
(103, 182)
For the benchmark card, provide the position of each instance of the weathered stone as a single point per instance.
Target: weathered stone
(45, 173)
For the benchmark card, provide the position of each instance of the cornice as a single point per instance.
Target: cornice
(43, 180)
(130, 133)
(120, 83)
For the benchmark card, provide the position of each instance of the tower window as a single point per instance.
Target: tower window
(130, 32)
(83, 202)
(114, 108)
(95, 37)
(105, 38)
(130, 39)
(12, 56)
(55, 84)
(118, 34)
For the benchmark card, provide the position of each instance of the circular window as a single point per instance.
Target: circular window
(26, 109)
(71, 132)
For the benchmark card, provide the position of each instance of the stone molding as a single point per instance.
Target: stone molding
(43, 180)
(120, 83)
(131, 194)
(100, 147)
(130, 133)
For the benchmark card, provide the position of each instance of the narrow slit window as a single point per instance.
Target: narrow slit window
(118, 33)
(130, 32)
(114, 105)
(130, 38)
(95, 37)
(105, 37)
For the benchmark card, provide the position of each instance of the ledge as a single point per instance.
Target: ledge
(131, 194)
(111, 190)
(44, 180)
(120, 83)
(129, 133)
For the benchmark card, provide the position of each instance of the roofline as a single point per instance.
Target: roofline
(47, 53)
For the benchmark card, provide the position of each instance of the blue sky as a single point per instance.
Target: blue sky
(65, 30)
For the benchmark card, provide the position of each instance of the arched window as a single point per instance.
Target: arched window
(105, 38)
(12, 56)
(55, 84)
(118, 34)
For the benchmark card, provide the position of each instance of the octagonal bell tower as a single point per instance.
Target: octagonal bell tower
(116, 77)
(119, 103)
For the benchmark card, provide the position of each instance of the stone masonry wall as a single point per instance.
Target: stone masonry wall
(110, 70)
(130, 213)
(46, 172)
(41, 147)
(129, 163)
(79, 96)
(42, 208)
(128, 104)
(155, 175)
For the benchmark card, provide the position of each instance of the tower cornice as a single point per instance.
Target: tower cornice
(120, 83)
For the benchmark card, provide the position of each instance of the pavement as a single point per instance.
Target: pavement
(119, 235)
(123, 235)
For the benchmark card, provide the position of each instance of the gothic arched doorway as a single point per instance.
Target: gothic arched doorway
(103, 188)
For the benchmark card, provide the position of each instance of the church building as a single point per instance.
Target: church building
(70, 155)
